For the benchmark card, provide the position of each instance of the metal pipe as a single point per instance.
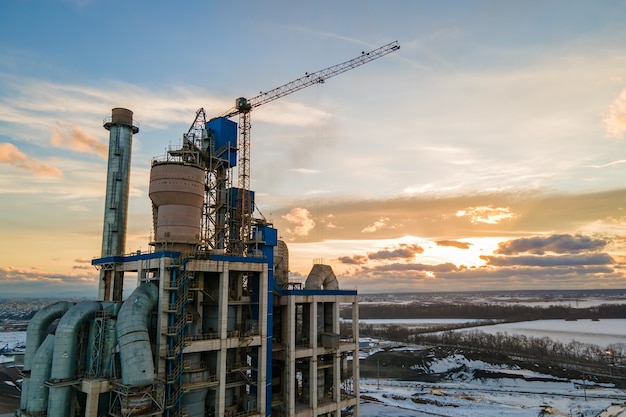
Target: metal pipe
(321, 277)
(41, 367)
(136, 361)
(35, 333)
(65, 353)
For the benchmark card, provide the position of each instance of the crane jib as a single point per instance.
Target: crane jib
(309, 79)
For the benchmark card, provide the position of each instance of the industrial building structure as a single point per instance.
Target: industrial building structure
(213, 327)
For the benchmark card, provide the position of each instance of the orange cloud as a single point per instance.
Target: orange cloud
(486, 214)
(378, 224)
(77, 140)
(10, 154)
(614, 119)
(303, 220)
(453, 243)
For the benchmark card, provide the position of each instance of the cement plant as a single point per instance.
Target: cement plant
(213, 327)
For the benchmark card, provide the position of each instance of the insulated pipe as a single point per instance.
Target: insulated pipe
(321, 276)
(136, 360)
(35, 334)
(42, 364)
(65, 352)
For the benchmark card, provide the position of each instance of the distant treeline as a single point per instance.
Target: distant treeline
(484, 312)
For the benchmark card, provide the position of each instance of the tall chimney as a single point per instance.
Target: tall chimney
(121, 129)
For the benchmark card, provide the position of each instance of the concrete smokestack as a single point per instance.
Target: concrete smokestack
(121, 129)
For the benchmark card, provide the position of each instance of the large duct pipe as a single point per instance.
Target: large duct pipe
(121, 129)
(41, 368)
(321, 277)
(35, 334)
(136, 360)
(65, 353)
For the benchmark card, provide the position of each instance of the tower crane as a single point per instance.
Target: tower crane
(243, 108)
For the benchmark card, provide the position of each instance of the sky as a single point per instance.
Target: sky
(487, 153)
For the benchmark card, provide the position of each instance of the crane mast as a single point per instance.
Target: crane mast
(244, 208)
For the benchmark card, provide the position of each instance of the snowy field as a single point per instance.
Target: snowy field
(515, 393)
(12, 339)
(413, 322)
(601, 333)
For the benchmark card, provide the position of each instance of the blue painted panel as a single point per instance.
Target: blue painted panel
(225, 139)
(234, 194)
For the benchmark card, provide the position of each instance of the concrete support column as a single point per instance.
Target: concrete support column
(222, 326)
(220, 400)
(336, 325)
(313, 326)
(313, 383)
(337, 376)
(313, 362)
(93, 389)
(355, 355)
(289, 386)
(263, 384)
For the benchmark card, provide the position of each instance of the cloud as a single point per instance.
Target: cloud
(403, 251)
(304, 171)
(396, 267)
(614, 120)
(378, 224)
(353, 260)
(33, 283)
(290, 113)
(551, 261)
(453, 243)
(536, 212)
(76, 139)
(82, 261)
(486, 214)
(444, 276)
(11, 155)
(560, 243)
(302, 219)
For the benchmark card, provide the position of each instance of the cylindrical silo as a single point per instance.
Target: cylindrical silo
(177, 194)
(121, 129)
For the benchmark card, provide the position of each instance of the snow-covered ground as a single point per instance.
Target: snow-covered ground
(602, 333)
(416, 322)
(12, 339)
(466, 391)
